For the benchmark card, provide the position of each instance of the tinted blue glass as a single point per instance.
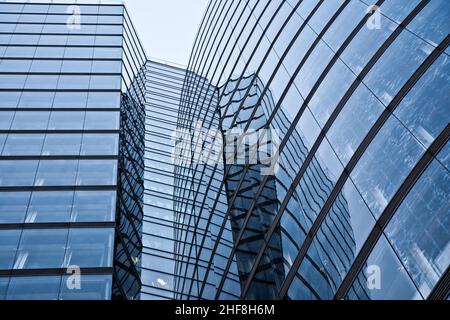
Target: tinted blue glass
(36, 100)
(4, 281)
(97, 172)
(9, 99)
(6, 120)
(364, 45)
(9, 240)
(354, 122)
(396, 65)
(13, 206)
(419, 230)
(100, 144)
(41, 249)
(102, 121)
(62, 144)
(23, 145)
(444, 156)
(104, 100)
(50, 207)
(17, 173)
(425, 110)
(70, 100)
(94, 206)
(66, 120)
(385, 164)
(344, 24)
(34, 288)
(90, 247)
(57, 173)
(394, 281)
(331, 91)
(93, 287)
(30, 120)
(334, 248)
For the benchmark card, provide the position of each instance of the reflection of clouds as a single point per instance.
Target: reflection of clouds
(380, 198)
(161, 282)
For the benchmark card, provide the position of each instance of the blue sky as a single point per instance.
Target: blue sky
(167, 28)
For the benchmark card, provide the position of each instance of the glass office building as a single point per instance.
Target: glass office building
(331, 179)
(71, 141)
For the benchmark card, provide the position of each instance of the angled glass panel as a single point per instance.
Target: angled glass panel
(425, 110)
(17, 173)
(70, 100)
(419, 231)
(386, 278)
(432, 23)
(9, 99)
(385, 164)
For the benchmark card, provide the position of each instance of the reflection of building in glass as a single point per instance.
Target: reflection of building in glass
(362, 187)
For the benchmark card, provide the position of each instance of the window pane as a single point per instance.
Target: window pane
(23, 145)
(30, 120)
(100, 144)
(97, 173)
(70, 100)
(17, 173)
(50, 207)
(66, 121)
(102, 121)
(41, 248)
(36, 100)
(57, 173)
(419, 231)
(104, 100)
(34, 288)
(13, 206)
(94, 206)
(62, 144)
(93, 287)
(90, 248)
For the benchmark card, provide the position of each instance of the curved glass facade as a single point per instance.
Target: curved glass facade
(358, 208)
